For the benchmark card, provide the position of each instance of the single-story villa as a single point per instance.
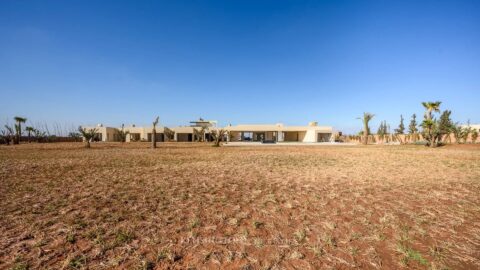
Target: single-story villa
(240, 133)
(281, 133)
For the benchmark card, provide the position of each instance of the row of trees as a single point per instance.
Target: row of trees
(434, 131)
(21, 130)
(13, 134)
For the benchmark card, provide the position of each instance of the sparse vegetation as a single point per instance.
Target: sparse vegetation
(70, 238)
(400, 130)
(121, 134)
(199, 134)
(29, 131)
(409, 255)
(401, 126)
(88, 135)
(433, 130)
(18, 128)
(77, 262)
(194, 223)
(300, 235)
(412, 128)
(367, 117)
(75, 135)
(169, 134)
(123, 236)
(20, 266)
(39, 135)
(7, 135)
(474, 135)
(383, 131)
(312, 207)
(154, 133)
(465, 133)
(218, 136)
(257, 224)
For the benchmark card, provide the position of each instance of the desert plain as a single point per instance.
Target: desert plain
(193, 206)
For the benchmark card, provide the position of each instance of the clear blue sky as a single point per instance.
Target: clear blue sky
(113, 62)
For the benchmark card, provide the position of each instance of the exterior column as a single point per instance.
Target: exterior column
(281, 136)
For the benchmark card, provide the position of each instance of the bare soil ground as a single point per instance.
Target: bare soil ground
(192, 206)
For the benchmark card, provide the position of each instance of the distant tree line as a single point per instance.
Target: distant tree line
(21, 130)
(434, 131)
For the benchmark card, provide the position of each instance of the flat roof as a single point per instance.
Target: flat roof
(244, 128)
(277, 127)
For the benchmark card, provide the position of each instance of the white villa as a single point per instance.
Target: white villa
(281, 133)
(273, 133)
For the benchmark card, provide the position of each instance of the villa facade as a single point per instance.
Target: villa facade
(281, 133)
(273, 133)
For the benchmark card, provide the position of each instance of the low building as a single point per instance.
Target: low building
(240, 133)
(472, 126)
(104, 134)
(111, 134)
(139, 134)
(281, 133)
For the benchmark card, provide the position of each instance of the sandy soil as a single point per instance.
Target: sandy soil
(192, 206)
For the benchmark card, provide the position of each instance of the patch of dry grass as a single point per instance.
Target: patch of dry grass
(192, 205)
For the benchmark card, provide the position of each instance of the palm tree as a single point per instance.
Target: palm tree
(87, 135)
(30, 130)
(18, 128)
(366, 129)
(431, 107)
(431, 132)
(154, 133)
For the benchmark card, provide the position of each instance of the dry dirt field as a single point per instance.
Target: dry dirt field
(192, 206)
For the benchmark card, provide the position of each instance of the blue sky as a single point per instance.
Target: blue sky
(113, 62)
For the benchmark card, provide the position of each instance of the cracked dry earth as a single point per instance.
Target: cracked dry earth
(193, 206)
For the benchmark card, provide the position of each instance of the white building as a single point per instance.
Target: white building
(240, 133)
(281, 133)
